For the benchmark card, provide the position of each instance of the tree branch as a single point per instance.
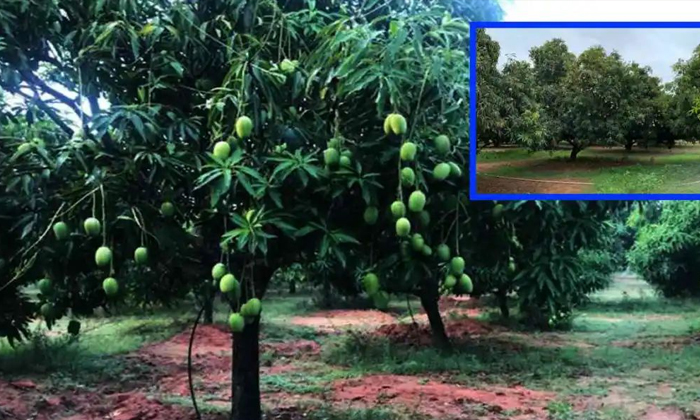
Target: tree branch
(35, 80)
(94, 105)
(48, 111)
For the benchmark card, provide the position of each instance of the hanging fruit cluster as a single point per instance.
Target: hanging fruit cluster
(404, 212)
(103, 258)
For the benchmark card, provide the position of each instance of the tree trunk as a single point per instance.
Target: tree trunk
(208, 310)
(292, 287)
(628, 145)
(430, 305)
(327, 293)
(574, 152)
(503, 304)
(245, 383)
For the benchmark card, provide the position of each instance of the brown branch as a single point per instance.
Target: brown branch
(35, 80)
(48, 111)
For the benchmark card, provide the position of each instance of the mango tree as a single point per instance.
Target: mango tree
(685, 89)
(548, 255)
(593, 98)
(490, 96)
(212, 144)
(551, 62)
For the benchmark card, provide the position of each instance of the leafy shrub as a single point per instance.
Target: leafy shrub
(667, 253)
(561, 252)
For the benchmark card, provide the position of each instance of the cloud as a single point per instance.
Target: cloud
(658, 48)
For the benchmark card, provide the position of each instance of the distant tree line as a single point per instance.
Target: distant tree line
(595, 98)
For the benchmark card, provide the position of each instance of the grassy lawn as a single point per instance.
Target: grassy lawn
(627, 344)
(656, 170)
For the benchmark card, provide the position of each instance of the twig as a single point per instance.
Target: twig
(410, 310)
(189, 362)
(46, 232)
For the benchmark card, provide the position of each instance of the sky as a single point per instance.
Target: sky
(657, 48)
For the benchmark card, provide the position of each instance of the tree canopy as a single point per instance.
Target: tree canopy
(595, 98)
(171, 149)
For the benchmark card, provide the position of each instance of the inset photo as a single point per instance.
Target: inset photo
(585, 111)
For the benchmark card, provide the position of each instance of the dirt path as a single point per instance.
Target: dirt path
(492, 185)
(490, 181)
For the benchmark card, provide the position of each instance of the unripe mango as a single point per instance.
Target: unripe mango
(92, 226)
(103, 256)
(60, 230)
(371, 214)
(110, 286)
(244, 127)
(416, 201)
(403, 227)
(408, 151)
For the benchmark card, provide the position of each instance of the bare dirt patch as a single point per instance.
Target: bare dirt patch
(492, 185)
(665, 414)
(437, 399)
(158, 369)
(13, 403)
(85, 405)
(298, 348)
(492, 166)
(421, 335)
(338, 320)
(618, 396)
(209, 339)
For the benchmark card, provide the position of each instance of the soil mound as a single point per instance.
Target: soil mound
(209, 339)
(438, 399)
(336, 320)
(420, 334)
(297, 348)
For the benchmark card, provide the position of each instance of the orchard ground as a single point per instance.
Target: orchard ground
(629, 355)
(595, 170)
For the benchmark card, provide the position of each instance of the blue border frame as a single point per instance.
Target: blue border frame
(473, 194)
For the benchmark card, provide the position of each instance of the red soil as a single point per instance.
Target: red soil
(338, 320)
(297, 349)
(211, 359)
(25, 404)
(658, 414)
(334, 320)
(13, 402)
(437, 399)
(209, 339)
(459, 302)
(420, 335)
(162, 369)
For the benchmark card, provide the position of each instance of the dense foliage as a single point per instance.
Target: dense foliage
(666, 251)
(550, 254)
(165, 149)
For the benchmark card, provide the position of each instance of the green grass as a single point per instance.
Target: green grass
(594, 360)
(311, 378)
(629, 311)
(667, 173)
(90, 352)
